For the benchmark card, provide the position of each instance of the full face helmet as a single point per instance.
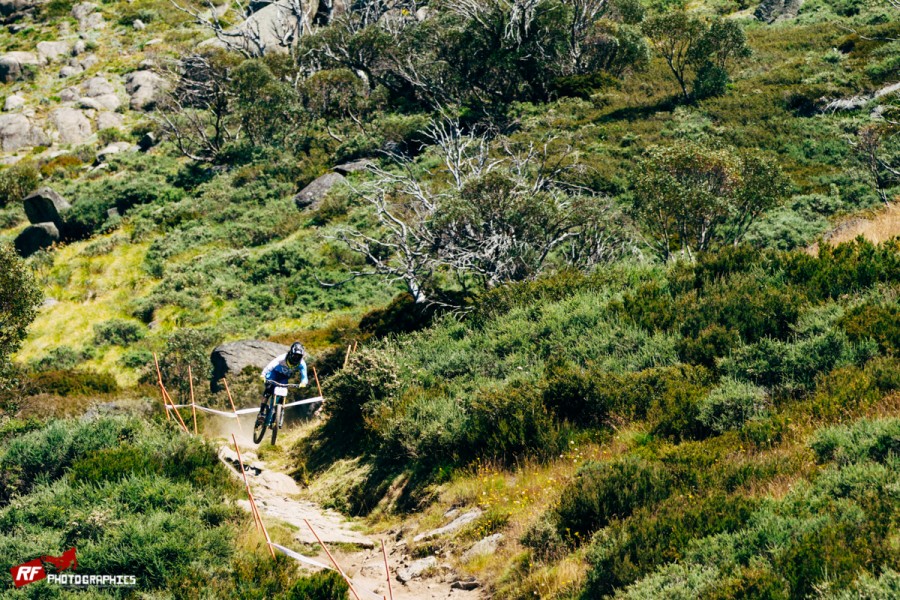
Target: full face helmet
(295, 354)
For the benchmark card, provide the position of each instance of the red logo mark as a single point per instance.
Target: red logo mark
(34, 570)
(28, 572)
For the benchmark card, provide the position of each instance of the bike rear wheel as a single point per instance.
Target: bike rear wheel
(275, 423)
(259, 428)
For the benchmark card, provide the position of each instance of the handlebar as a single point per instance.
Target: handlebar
(287, 385)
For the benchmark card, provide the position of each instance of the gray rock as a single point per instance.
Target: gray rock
(770, 11)
(311, 195)
(468, 584)
(454, 525)
(109, 102)
(114, 148)
(14, 102)
(36, 237)
(17, 131)
(12, 10)
(87, 17)
(109, 120)
(138, 25)
(97, 86)
(15, 66)
(113, 213)
(83, 10)
(72, 125)
(70, 71)
(91, 103)
(416, 568)
(354, 167)
(69, 94)
(272, 23)
(89, 61)
(79, 47)
(887, 90)
(147, 141)
(233, 357)
(144, 88)
(482, 547)
(50, 51)
(45, 205)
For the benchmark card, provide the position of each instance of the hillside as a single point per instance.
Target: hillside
(621, 277)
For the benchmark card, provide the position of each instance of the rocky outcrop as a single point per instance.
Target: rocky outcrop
(17, 131)
(13, 102)
(87, 17)
(311, 195)
(233, 357)
(15, 66)
(50, 51)
(36, 237)
(483, 547)
(114, 148)
(72, 125)
(13, 10)
(273, 23)
(354, 167)
(45, 205)
(416, 568)
(455, 525)
(144, 87)
(109, 120)
(770, 11)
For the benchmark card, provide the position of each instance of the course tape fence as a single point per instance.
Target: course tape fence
(245, 411)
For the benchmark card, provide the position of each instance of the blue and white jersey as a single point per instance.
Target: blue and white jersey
(278, 370)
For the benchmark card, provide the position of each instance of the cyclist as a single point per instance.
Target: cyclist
(282, 368)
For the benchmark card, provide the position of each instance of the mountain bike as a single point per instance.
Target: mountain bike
(272, 414)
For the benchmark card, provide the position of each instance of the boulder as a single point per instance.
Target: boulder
(97, 86)
(17, 131)
(483, 547)
(13, 10)
(144, 88)
(114, 148)
(354, 167)
(79, 47)
(88, 61)
(14, 102)
(416, 568)
(72, 125)
(311, 195)
(147, 141)
(139, 25)
(36, 237)
(109, 102)
(269, 25)
(109, 120)
(45, 205)
(69, 94)
(454, 525)
(90, 103)
(233, 357)
(50, 51)
(87, 17)
(770, 11)
(15, 66)
(70, 71)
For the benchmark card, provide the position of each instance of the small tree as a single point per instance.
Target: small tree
(690, 198)
(19, 299)
(18, 181)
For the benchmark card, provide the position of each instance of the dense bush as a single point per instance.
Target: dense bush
(863, 440)
(731, 404)
(369, 378)
(73, 382)
(877, 321)
(606, 491)
(118, 332)
(17, 181)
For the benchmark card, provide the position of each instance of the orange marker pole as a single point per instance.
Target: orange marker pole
(193, 406)
(162, 390)
(175, 410)
(230, 399)
(387, 570)
(318, 385)
(331, 558)
(347, 356)
(355, 345)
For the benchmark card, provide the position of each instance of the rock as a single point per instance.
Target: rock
(114, 148)
(468, 584)
(887, 90)
(97, 86)
(109, 102)
(89, 61)
(69, 94)
(846, 104)
(45, 205)
(416, 568)
(50, 51)
(79, 48)
(144, 88)
(12, 10)
(422, 14)
(147, 141)
(109, 120)
(269, 25)
(89, 103)
(70, 71)
(14, 102)
(770, 11)
(113, 213)
(311, 195)
(153, 42)
(36, 237)
(72, 125)
(138, 25)
(17, 131)
(87, 17)
(353, 167)
(454, 525)
(83, 10)
(487, 545)
(233, 357)
(15, 66)
(49, 302)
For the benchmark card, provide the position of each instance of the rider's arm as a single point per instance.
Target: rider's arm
(267, 372)
(304, 380)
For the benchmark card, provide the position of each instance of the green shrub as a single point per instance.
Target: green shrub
(73, 383)
(18, 181)
(544, 540)
(118, 332)
(874, 320)
(731, 404)
(370, 377)
(868, 587)
(324, 585)
(62, 358)
(863, 440)
(602, 492)
(136, 359)
(112, 464)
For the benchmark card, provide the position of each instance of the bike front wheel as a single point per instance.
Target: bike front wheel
(276, 422)
(259, 428)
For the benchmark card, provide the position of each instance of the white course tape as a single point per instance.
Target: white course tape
(309, 561)
(246, 411)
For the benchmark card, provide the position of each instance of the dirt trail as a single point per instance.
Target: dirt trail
(358, 555)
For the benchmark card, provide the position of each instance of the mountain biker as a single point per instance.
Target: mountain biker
(282, 368)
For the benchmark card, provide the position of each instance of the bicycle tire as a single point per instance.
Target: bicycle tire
(275, 422)
(259, 428)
